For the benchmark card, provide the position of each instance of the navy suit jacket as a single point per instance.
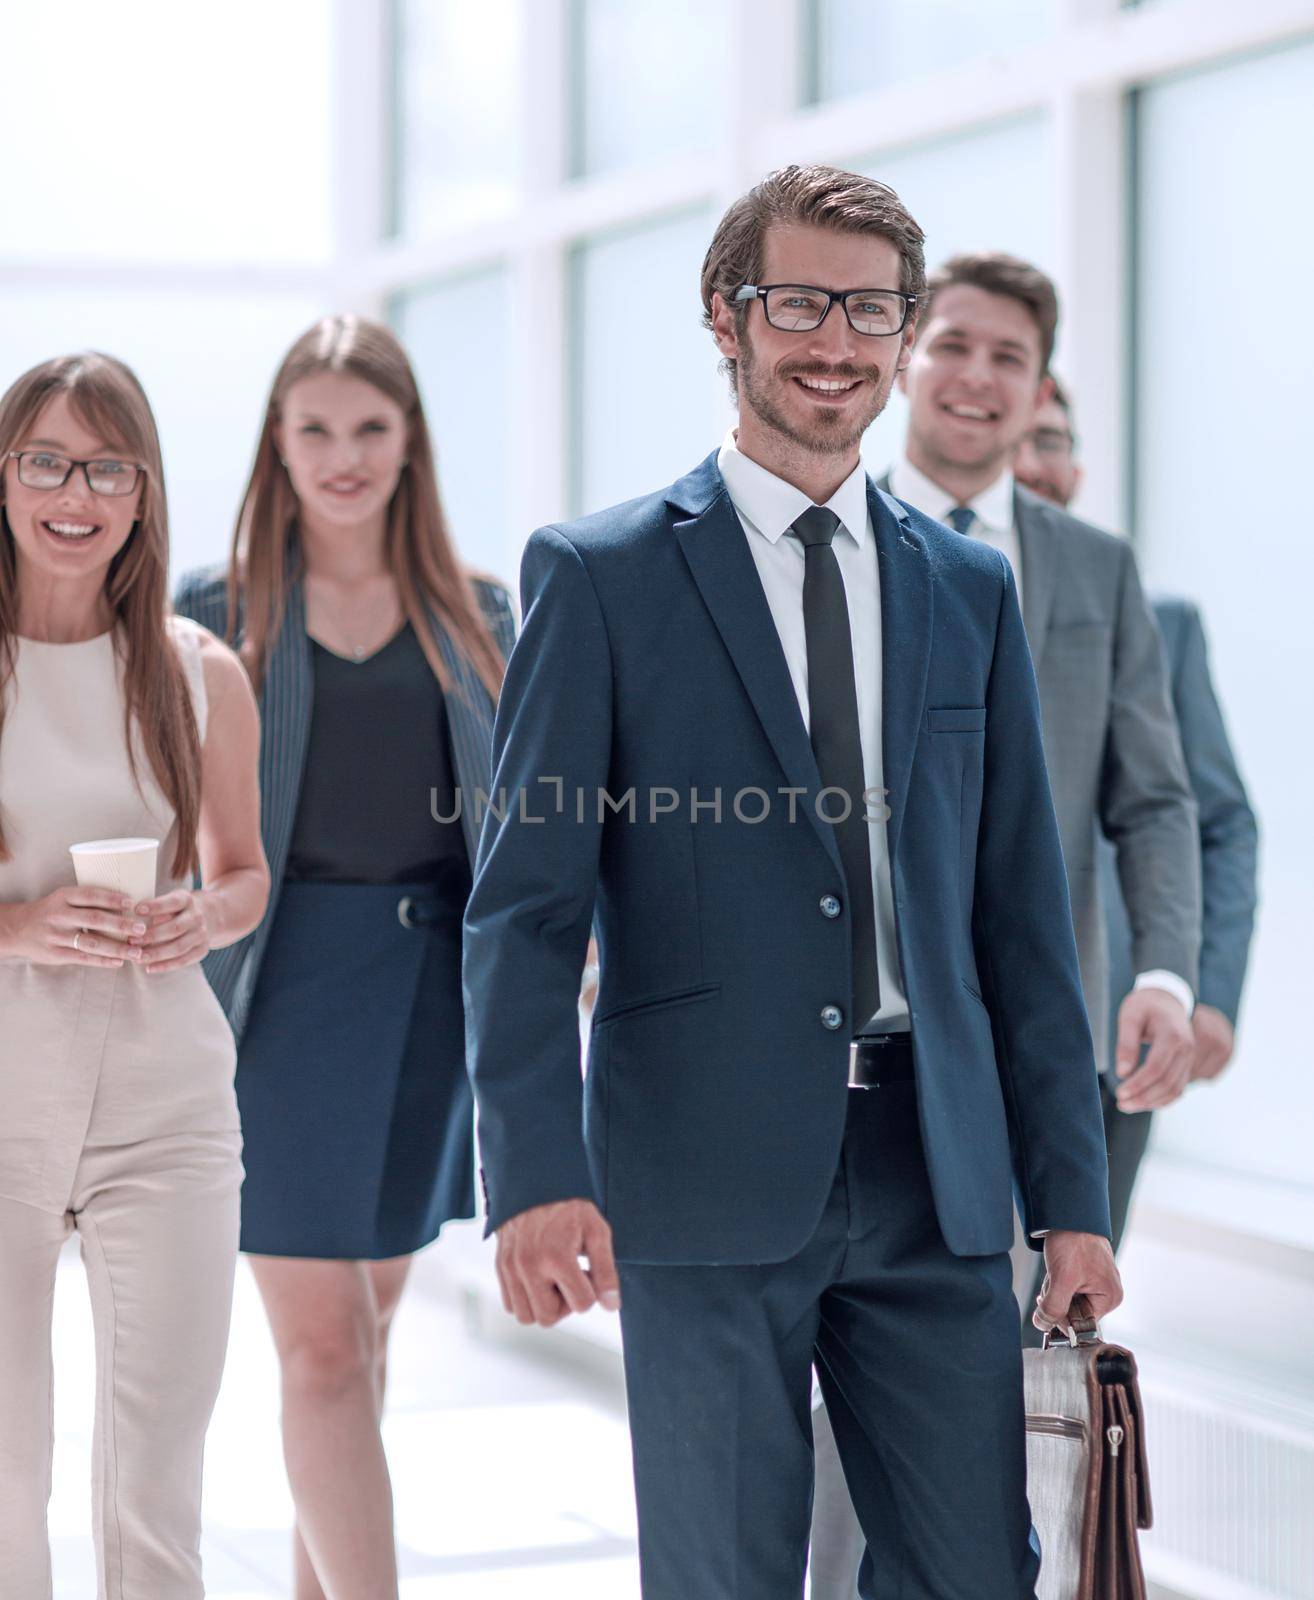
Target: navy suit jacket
(716, 1094)
(1229, 834)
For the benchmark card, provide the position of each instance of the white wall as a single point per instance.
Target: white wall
(1226, 349)
(167, 199)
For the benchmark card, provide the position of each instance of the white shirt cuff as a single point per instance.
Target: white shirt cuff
(1170, 982)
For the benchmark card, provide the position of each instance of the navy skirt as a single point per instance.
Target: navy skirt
(357, 1116)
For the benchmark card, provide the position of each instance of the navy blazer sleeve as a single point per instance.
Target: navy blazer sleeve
(529, 915)
(1027, 958)
(1229, 834)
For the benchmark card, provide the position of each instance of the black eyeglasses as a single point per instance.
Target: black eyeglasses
(45, 469)
(801, 307)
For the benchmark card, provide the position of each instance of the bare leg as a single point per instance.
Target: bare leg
(389, 1279)
(325, 1322)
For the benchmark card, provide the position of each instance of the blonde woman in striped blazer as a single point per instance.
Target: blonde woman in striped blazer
(377, 660)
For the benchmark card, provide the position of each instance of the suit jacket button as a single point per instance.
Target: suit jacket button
(831, 1017)
(830, 905)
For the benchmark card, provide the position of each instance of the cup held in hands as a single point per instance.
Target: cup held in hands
(126, 866)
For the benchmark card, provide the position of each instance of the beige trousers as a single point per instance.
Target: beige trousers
(158, 1226)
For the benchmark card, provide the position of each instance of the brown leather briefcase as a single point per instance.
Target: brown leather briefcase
(1086, 1472)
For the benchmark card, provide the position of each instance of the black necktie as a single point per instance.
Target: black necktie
(837, 741)
(961, 518)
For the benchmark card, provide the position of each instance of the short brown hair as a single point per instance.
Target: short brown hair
(1006, 275)
(820, 197)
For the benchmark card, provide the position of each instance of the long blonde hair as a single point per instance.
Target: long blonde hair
(106, 396)
(417, 546)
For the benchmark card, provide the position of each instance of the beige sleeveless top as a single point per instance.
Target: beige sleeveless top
(93, 1056)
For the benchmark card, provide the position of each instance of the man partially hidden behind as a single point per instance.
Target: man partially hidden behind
(1047, 464)
(974, 386)
(831, 1033)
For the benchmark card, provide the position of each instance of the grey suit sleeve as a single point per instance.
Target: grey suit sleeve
(1146, 806)
(1229, 834)
(1026, 956)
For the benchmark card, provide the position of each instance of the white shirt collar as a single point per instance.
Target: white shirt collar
(993, 506)
(772, 505)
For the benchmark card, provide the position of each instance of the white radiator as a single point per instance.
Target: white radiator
(1232, 1477)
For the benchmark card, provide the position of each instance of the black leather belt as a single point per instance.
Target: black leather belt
(882, 1058)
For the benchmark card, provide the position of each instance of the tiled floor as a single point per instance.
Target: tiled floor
(511, 1474)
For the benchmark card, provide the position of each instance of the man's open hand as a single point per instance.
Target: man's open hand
(1157, 1018)
(538, 1264)
(1076, 1263)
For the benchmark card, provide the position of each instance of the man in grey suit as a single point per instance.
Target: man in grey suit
(1047, 464)
(977, 377)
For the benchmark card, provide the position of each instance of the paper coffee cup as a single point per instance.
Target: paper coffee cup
(126, 866)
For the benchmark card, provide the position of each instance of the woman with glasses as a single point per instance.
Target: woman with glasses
(378, 659)
(117, 1114)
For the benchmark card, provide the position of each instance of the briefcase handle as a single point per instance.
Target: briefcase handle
(1081, 1327)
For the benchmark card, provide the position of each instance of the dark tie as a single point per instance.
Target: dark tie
(837, 741)
(961, 518)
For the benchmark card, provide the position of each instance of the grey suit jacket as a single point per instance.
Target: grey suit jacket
(1111, 746)
(1229, 834)
(285, 707)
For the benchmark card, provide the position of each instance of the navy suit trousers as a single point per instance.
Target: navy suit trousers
(917, 1352)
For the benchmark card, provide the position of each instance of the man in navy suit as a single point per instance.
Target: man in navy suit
(778, 735)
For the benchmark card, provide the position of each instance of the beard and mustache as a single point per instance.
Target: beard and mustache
(834, 432)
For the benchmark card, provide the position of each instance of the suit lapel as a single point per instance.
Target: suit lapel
(1039, 570)
(286, 703)
(717, 552)
(470, 726)
(906, 618)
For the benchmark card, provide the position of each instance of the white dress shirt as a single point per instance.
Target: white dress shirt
(767, 507)
(996, 526)
(992, 508)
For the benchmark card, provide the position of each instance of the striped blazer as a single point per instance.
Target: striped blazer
(286, 701)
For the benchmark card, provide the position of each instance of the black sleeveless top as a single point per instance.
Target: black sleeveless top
(378, 771)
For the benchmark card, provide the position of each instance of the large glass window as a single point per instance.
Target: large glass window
(457, 94)
(206, 362)
(855, 45)
(458, 335)
(1224, 352)
(642, 387)
(141, 133)
(987, 190)
(649, 80)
